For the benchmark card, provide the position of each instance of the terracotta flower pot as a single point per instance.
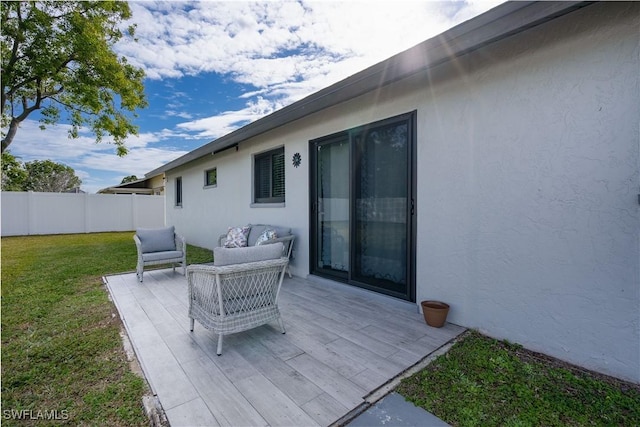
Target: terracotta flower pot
(435, 313)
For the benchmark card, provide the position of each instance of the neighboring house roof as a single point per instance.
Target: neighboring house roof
(498, 23)
(76, 190)
(140, 186)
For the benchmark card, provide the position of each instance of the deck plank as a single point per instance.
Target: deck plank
(328, 380)
(272, 403)
(325, 409)
(341, 344)
(226, 403)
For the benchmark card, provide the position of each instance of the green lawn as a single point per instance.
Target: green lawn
(62, 355)
(485, 382)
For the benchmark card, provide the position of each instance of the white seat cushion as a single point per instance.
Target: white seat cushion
(158, 256)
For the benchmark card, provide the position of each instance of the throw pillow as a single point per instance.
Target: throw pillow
(266, 235)
(237, 237)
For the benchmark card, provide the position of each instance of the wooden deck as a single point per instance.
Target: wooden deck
(342, 343)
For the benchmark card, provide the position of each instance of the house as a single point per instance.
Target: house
(151, 184)
(494, 167)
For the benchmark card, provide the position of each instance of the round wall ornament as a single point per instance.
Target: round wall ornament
(297, 159)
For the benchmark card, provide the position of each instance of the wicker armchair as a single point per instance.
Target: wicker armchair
(234, 298)
(159, 246)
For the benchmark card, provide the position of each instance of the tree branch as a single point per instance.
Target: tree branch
(14, 58)
(70, 107)
(23, 83)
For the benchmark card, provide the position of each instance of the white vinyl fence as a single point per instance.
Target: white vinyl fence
(27, 213)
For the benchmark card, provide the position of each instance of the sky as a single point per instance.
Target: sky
(212, 67)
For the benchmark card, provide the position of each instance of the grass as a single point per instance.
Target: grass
(62, 355)
(485, 382)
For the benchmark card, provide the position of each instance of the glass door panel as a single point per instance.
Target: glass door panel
(381, 208)
(332, 190)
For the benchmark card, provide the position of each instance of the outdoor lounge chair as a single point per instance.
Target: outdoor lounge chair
(239, 292)
(159, 246)
(259, 234)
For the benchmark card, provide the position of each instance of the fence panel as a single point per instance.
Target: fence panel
(60, 213)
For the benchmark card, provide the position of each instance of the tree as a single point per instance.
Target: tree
(129, 178)
(51, 177)
(13, 173)
(59, 56)
(38, 175)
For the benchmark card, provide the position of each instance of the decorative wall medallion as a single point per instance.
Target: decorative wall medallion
(297, 159)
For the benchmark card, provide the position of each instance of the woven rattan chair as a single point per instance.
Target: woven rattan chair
(157, 246)
(234, 298)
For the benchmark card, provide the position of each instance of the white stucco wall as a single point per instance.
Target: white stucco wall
(527, 207)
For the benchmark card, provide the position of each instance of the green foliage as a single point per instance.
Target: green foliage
(14, 174)
(58, 56)
(129, 178)
(38, 175)
(48, 176)
(482, 381)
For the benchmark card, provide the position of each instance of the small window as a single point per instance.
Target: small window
(211, 178)
(179, 191)
(268, 172)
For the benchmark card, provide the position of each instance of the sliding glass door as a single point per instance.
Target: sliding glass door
(332, 202)
(362, 206)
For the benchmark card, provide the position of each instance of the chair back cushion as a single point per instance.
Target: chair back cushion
(157, 239)
(228, 256)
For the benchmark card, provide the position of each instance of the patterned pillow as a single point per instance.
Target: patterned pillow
(266, 235)
(237, 237)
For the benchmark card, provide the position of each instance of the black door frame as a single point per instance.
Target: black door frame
(411, 202)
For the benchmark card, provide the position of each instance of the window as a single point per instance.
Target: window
(179, 191)
(268, 186)
(211, 178)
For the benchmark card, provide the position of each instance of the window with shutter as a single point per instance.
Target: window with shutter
(269, 177)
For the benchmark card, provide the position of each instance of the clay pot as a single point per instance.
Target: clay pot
(435, 313)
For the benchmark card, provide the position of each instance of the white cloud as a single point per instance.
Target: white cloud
(181, 114)
(90, 159)
(216, 126)
(285, 49)
(270, 43)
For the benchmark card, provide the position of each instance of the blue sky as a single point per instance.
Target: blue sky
(212, 67)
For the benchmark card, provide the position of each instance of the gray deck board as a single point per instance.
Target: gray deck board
(341, 344)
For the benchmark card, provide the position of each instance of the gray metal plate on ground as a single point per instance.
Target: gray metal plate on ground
(394, 410)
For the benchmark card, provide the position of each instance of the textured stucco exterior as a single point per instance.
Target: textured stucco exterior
(528, 221)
